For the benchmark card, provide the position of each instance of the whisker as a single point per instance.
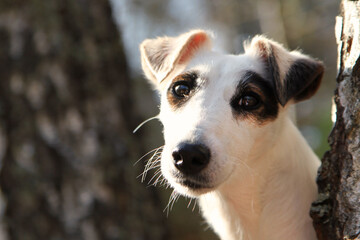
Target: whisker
(142, 124)
(147, 170)
(164, 182)
(157, 180)
(175, 200)
(155, 149)
(171, 199)
(155, 174)
(189, 203)
(153, 162)
(157, 164)
(194, 206)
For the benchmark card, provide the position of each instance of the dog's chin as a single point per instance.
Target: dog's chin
(190, 188)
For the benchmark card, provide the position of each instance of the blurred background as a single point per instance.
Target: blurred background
(72, 91)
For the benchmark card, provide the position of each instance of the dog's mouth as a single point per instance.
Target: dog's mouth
(190, 183)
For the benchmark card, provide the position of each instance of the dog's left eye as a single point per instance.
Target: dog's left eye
(249, 102)
(181, 89)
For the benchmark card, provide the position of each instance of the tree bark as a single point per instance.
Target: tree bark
(66, 115)
(336, 213)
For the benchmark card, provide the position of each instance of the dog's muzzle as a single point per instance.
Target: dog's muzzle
(191, 159)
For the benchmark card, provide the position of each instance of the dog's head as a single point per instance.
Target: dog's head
(221, 112)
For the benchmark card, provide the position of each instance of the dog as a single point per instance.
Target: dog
(229, 139)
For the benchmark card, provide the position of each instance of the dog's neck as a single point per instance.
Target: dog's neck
(253, 205)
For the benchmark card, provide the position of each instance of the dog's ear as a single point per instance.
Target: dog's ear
(161, 56)
(296, 76)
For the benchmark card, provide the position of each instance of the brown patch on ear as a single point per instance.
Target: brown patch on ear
(161, 56)
(267, 55)
(264, 49)
(192, 46)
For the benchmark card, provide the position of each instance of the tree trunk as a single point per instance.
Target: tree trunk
(336, 213)
(66, 115)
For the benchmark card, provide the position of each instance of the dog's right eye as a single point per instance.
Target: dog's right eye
(249, 102)
(181, 89)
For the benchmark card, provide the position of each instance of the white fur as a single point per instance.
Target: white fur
(262, 176)
(272, 200)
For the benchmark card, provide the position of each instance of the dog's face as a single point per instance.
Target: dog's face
(222, 112)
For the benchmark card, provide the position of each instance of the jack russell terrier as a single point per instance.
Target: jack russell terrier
(229, 138)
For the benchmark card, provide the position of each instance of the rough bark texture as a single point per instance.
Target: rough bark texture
(66, 115)
(336, 213)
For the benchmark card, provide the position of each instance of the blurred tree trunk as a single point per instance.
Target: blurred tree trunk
(66, 115)
(336, 213)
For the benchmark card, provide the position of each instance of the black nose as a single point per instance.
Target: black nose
(191, 158)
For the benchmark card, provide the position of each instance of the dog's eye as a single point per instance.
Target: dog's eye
(181, 89)
(249, 102)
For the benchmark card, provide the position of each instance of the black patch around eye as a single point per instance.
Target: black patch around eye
(181, 89)
(255, 97)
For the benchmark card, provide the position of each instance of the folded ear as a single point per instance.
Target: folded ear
(296, 76)
(161, 56)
